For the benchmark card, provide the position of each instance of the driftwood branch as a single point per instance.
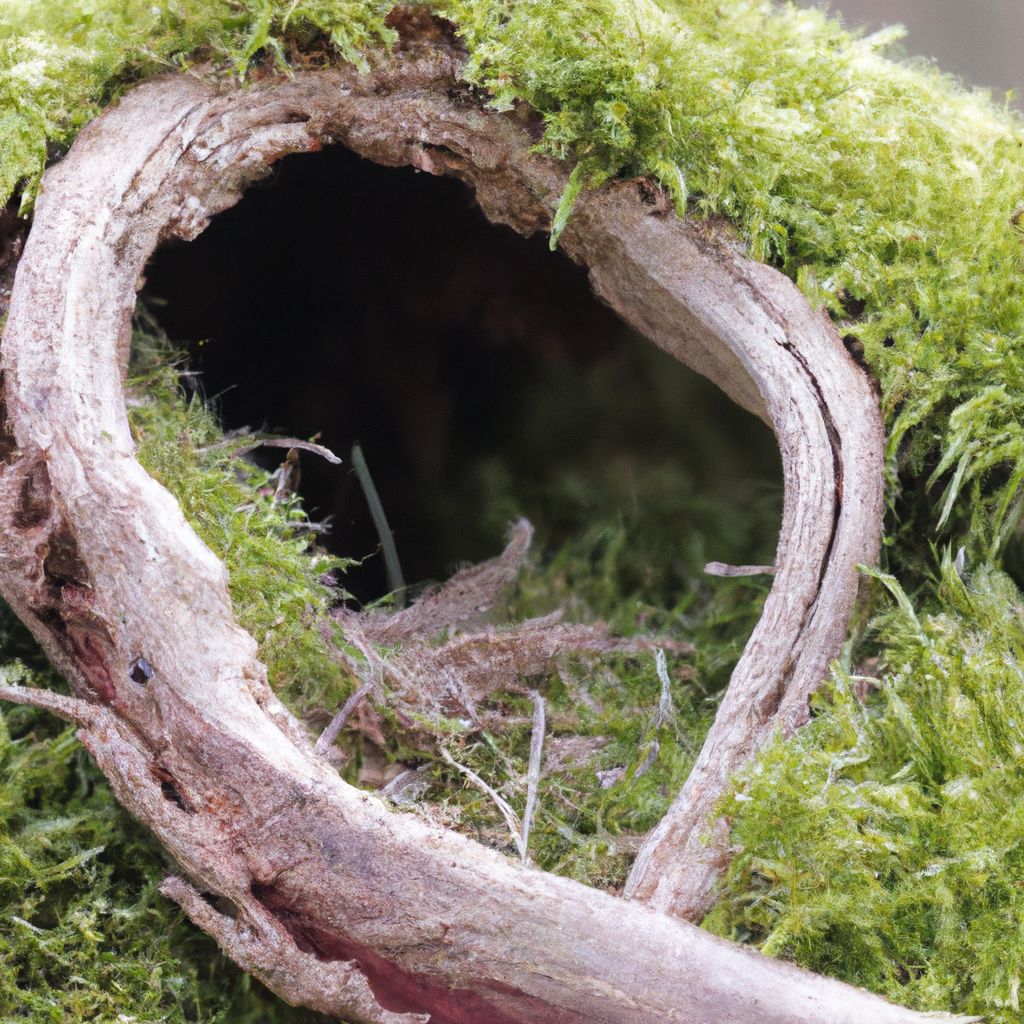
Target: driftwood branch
(320, 891)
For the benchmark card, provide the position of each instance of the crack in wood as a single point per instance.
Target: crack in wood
(34, 498)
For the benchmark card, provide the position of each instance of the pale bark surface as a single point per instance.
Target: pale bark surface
(336, 902)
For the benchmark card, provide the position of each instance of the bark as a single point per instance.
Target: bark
(325, 895)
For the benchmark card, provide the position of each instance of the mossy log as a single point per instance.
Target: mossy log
(310, 884)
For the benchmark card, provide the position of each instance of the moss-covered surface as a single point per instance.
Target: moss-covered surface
(885, 843)
(881, 844)
(612, 571)
(77, 877)
(891, 194)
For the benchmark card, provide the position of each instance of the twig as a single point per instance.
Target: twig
(510, 816)
(71, 709)
(330, 734)
(666, 713)
(276, 442)
(533, 774)
(722, 569)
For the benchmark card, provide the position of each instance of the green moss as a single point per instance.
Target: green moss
(883, 844)
(62, 62)
(885, 189)
(606, 521)
(275, 575)
(611, 769)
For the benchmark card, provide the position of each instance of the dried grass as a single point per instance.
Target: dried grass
(429, 667)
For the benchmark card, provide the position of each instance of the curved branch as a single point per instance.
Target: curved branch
(99, 560)
(824, 412)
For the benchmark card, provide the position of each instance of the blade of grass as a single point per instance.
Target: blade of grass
(396, 582)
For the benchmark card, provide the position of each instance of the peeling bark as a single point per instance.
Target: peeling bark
(330, 899)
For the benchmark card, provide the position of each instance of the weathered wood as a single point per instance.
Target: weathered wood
(338, 903)
(824, 412)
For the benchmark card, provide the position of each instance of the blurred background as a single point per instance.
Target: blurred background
(982, 41)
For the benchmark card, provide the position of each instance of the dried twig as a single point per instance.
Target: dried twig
(722, 569)
(464, 670)
(533, 773)
(330, 734)
(666, 714)
(71, 709)
(274, 442)
(456, 674)
(510, 816)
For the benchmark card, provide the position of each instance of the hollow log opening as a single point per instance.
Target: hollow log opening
(475, 367)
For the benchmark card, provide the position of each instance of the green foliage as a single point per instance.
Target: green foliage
(883, 844)
(590, 824)
(891, 194)
(76, 943)
(276, 578)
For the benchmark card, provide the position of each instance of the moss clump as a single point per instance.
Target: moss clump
(63, 61)
(883, 844)
(613, 568)
(279, 583)
(610, 766)
(83, 936)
